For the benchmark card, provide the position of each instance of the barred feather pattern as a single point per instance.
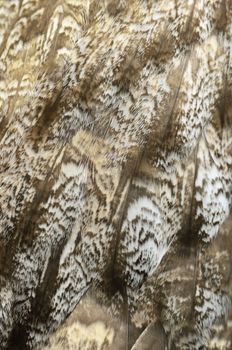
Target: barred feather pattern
(116, 173)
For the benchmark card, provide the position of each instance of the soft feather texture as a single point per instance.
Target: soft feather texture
(116, 162)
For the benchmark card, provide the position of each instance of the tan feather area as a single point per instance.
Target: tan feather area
(115, 174)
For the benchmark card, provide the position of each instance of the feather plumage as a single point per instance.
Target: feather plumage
(116, 173)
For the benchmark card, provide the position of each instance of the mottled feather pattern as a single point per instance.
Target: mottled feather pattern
(116, 174)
